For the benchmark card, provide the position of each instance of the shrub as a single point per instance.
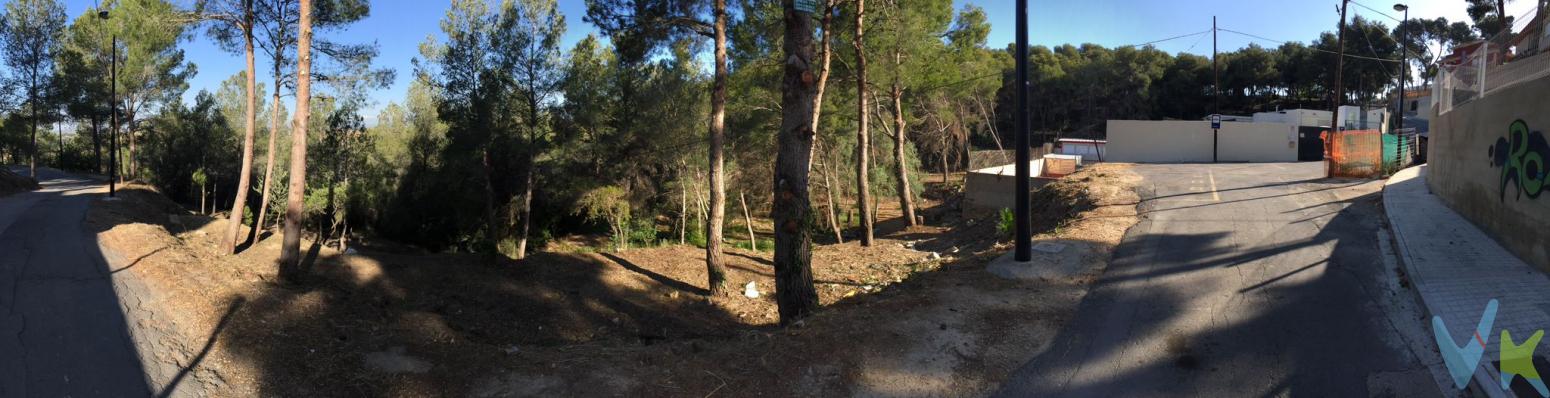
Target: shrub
(1008, 220)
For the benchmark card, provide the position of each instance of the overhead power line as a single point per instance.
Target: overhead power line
(1321, 50)
(1385, 15)
(1163, 40)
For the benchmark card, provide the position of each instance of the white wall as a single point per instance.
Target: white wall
(1180, 141)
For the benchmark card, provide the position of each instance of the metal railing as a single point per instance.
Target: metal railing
(1483, 71)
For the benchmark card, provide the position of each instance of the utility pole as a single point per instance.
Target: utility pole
(1024, 238)
(1339, 94)
(113, 108)
(1216, 88)
(1403, 67)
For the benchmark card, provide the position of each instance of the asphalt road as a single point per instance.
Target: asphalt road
(62, 332)
(1242, 280)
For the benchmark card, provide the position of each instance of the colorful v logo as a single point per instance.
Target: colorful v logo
(1462, 361)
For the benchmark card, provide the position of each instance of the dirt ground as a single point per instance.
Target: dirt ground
(12, 183)
(915, 314)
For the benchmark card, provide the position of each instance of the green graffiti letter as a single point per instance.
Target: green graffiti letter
(1519, 158)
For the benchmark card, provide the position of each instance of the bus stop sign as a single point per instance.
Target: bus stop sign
(1216, 122)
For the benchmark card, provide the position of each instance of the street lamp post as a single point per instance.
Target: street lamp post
(113, 108)
(1024, 227)
(1403, 67)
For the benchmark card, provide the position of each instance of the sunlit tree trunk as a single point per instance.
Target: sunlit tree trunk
(753, 241)
(714, 270)
(792, 211)
(274, 129)
(901, 168)
(239, 204)
(828, 184)
(826, 53)
(290, 246)
(863, 146)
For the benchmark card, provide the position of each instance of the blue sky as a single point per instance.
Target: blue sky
(399, 26)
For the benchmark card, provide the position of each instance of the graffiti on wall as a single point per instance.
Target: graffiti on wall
(1521, 155)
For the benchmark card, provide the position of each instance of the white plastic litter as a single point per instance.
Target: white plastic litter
(751, 290)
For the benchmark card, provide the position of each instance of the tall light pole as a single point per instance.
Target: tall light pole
(113, 108)
(1339, 94)
(1403, 67)
(1024, 238)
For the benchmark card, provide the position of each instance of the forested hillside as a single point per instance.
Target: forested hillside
(655, 131)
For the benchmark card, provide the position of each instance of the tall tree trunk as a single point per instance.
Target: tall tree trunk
(753, 241)
(129, 132)
(828, 184)
(96, 145)
(792, 211)
(714, 270)
(239, 204)
(492, 224)
(825, 53)
(944, 160)
(274, 129)
(683, 214)
(532, 166)
(290, 246)
(527, 210)
(32, 98)
(901, 168)
(863, 147)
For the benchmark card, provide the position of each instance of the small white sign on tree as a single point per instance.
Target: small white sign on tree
(807, 6)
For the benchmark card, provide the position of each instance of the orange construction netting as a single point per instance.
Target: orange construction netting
(1354, 153)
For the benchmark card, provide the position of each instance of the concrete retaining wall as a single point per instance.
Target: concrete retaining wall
(996, 187)
(1182, 141)
(1480, 170)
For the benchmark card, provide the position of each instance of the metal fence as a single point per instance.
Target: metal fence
(1400, 151)
(1369, 153)
(1354, 153)
(1492, 67)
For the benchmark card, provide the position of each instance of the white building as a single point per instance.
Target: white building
(1353, 118)
(1295, 117)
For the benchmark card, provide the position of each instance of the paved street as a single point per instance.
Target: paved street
(1243, 280)
(62, 332)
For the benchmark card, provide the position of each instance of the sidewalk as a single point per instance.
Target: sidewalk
(1457, 268)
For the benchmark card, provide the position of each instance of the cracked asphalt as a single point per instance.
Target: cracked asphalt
(62, 329)
(1243, 280)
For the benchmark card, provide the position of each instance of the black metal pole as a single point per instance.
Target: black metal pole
(1216, 90)
(1399, 129)
(113, 108)
(1024, 251)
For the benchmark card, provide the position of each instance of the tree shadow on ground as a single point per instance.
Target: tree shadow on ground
(1299, 326)
(61, 296)
(375, 324)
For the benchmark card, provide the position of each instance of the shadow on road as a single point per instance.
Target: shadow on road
(60, 298)
(1295, 327)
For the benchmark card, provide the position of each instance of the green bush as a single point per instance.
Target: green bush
(1008, 219)
(765, 245)
(695, 236)
(643, 231)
